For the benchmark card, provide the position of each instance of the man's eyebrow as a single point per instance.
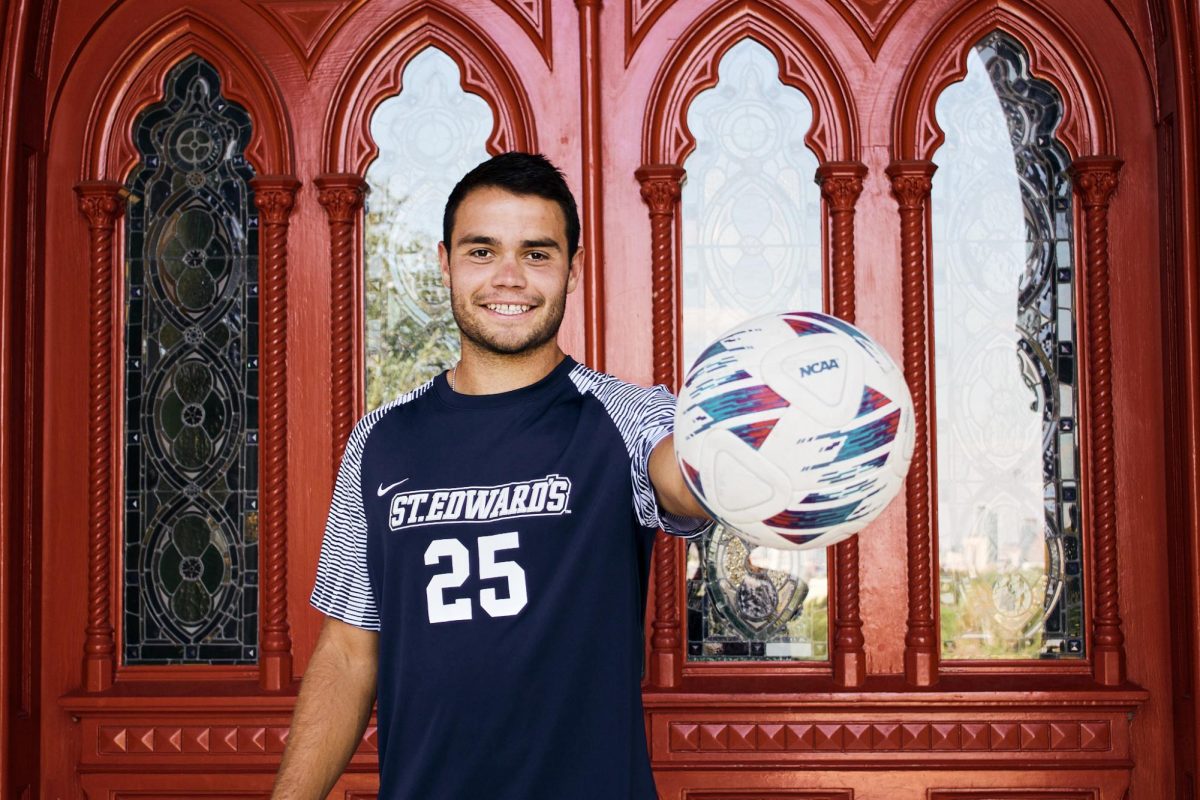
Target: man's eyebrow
(477, 238)
(544, 244)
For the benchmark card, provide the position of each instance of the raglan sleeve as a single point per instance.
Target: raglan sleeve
(343, 588)
(656, 422)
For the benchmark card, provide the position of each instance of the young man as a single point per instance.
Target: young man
(487, 552)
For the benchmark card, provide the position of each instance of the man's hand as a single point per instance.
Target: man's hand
(673, 493)
(331, 713)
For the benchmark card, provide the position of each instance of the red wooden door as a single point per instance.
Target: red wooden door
(629, 98)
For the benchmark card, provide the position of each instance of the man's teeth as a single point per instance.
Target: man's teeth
(507, 308)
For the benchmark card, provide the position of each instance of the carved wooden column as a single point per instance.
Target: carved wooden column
(1094, 180)
(911, 184)
(101, 202)
(593, 172)
(274, 196)
(661, 186)
(342, 195)
(841, 183)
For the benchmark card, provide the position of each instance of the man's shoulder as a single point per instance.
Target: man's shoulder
(606, 387)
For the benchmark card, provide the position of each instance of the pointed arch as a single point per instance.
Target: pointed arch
(138, 80)
(377, 71)
(805, 63)
(1055, 55)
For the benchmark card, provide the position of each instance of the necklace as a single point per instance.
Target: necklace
(453, 370)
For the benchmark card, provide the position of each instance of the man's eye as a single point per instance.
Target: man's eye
(478, 253)
(537, 256)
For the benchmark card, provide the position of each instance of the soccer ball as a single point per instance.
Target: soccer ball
(794, 430)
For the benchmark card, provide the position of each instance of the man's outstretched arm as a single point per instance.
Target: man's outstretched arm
(331, 712)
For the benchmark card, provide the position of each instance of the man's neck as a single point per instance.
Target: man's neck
(482, 372)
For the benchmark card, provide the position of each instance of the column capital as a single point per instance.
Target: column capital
(101, 202)
(342, 195)
(1095, 178)
(661, 185)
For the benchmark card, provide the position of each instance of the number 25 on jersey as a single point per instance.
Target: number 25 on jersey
(460, 569)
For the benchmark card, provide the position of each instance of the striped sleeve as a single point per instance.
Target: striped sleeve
(343, 587)
(644, 418)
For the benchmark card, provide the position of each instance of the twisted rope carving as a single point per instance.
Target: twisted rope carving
(102, 205)
(342, 204)
(841, 185)
(912, 190)
(660, 188)
(1095, 182)
(275, 204)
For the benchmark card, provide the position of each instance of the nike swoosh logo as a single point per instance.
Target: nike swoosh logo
(382, 490)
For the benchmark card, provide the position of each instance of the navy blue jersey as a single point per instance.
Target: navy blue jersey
(500, 544)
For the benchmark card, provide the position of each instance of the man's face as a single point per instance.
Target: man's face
(507, 270)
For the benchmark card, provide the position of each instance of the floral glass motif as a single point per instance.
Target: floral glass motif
(191, 381)
(1011, 580)
(428, 136)
(751, 241)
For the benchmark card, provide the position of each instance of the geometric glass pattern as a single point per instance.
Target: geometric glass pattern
(190, 563)
(429, 136)
(1011, 555)
(751, 243)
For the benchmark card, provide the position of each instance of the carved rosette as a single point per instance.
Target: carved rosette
(841, 184)
(342, 196)
(661, 186)
(1094, 180)
(912, 182)
(274, 197)
(101, 203)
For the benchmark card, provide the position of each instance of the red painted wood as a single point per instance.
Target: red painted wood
(102, 204)
(911, 183)
(841, 184)
(591, 199)
(872, 73)
(660, 189)
(1094, 180)
(274, 196)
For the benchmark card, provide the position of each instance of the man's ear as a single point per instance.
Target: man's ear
(576, 270)
(444, 263)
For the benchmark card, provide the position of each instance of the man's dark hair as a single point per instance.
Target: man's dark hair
(519, 173)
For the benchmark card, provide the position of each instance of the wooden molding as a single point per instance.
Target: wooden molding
(138, 81)
(102, 203)
(590, 54)
(841, 184)
(377, 70)
(305, 25)
(912, 182)
(274, 197)
(661, 186)
(342, 196)
(804, 63)
(1055, 55)
(1094, 180)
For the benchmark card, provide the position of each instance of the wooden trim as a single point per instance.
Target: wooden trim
(342, 196)
(101, 202)
(841, 184)
(1054, 55)
(274, 196)
(590, 72)
(138, 81)
(377, 71)
(804, 63)
(911, 185)
(1094, 180)
(661, 186)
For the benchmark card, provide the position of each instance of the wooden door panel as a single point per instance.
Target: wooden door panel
(854, 726)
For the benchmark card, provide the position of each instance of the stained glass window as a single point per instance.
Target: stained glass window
(751, 244)
(428, 137)
(1004, 318)
(191, 381)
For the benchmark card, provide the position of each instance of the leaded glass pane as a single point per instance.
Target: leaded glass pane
(428, 136)
(751, 244)
(1004, 320)
(191, 381)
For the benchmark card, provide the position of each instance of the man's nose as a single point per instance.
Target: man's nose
(508, 271)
